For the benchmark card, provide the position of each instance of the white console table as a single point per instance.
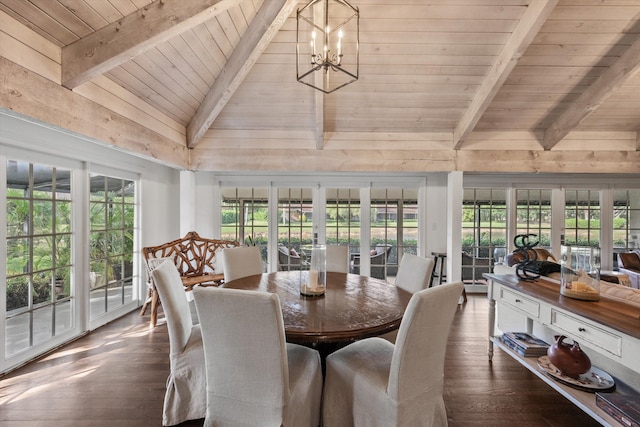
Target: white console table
(606, 329)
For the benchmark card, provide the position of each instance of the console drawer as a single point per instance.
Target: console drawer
(587, 332)
(526, 305)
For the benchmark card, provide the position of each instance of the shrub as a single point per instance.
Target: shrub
(17, 293)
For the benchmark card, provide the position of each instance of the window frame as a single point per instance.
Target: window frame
(318, 186)
(137, 286)
(580, 204)
(77, 174)
(121, 201)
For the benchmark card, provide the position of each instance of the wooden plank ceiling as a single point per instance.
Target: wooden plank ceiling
(437, 77)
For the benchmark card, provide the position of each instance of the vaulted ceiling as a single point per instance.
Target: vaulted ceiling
(478, 85)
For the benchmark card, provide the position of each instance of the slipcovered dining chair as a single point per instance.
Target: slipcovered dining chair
(414, 273)
(254, 377)
(184, 398)
(338, 258)
(241, 261)
(372, 382)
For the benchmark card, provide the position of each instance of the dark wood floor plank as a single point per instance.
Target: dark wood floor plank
(116, 376)
(500, 393)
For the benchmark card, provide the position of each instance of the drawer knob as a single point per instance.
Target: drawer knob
(581, 329)
(518, 300)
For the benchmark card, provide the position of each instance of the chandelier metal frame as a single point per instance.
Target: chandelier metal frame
(325, 59)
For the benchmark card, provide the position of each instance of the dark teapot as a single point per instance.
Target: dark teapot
(568, 358)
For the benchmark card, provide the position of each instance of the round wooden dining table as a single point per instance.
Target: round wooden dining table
(353, 307)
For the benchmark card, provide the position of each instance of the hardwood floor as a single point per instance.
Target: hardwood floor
(116, 375)
(500, 393)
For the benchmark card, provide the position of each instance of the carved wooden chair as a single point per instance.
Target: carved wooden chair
(196, 259)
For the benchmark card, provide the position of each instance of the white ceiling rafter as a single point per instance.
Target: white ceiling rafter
(615, 76)
(532, 20)
(118, 42)
(261, 31)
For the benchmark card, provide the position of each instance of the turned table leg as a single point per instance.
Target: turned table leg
(492, 318)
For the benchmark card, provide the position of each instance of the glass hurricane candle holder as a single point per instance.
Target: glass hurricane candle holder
(313, 270)
(580, 273)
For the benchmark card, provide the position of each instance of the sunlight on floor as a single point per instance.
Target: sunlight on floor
(23, 386)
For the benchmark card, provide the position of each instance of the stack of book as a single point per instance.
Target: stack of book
(624, 408)
(524, 344)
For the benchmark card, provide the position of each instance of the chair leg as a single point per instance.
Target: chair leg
(155, 300)
(147, 301)
(463, 296)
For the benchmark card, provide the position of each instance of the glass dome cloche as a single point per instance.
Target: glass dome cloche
(580, 273)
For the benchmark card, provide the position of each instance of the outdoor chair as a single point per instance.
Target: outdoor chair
(288, 259)
(379, 257)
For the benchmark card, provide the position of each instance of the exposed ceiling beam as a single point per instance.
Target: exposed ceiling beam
(524, 33)
(265, 25)
(133, 35)
(609, 81)
(39, 98)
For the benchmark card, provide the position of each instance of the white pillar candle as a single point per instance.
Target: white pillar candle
(313, 279)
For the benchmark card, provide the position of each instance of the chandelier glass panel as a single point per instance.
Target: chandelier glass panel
(327, 44)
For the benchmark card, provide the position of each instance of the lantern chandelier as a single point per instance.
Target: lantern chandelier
(327, 44)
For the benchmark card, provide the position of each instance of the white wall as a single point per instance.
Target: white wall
(207, 205)
(436, 226)
(160, 205)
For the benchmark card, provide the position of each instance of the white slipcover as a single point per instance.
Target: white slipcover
(185, 398)
(254, 377)
(374, 383)
(414, 273)
(338, 258)
(241, 261)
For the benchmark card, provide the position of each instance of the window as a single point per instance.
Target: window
(484, 229)
(335, 218)
(533, 214)
(112, 209)
(342, 225)
(582, 218)
(39, 295)
(626, 220)
(394, 228)
(245, 216)
(407, 223)
(295, 224)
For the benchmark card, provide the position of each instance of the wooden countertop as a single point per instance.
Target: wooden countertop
(614, 314)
